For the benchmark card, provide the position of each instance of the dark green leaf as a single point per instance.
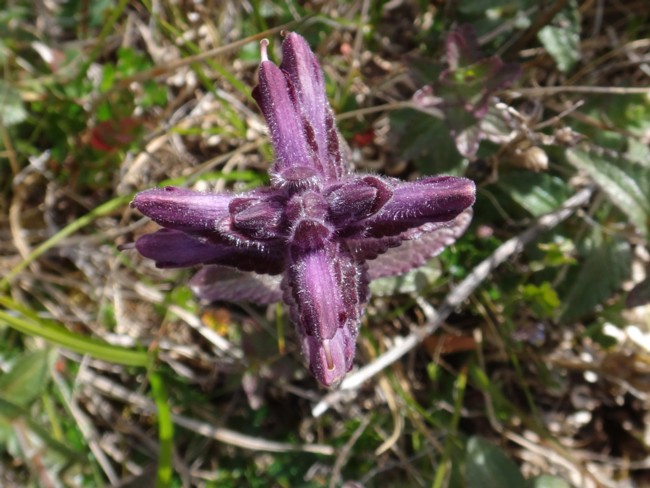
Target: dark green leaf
(426, 140)
(602, 272)
(26, 379)
(538, 193)
(626, 183)
(562, 37)
(489, 467)
(597, 334)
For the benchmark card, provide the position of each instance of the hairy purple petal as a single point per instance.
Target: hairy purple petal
(325, 290)
(309, 204)
(181, 209)
(419, 245)
(296, 179)
(214, 283)
(175, 249)
(311, 234)
(284, 121)
(357, 199)
(259, 217)
(413, 204)
(330, 359)
(311, 229)
(351, 201)
(302, 68)
(306, 76)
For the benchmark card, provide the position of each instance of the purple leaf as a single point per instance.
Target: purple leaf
(419, 245)
(462, 47)
(213, 283)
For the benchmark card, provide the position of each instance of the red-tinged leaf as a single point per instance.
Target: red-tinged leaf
(364, 138)
(112, 135)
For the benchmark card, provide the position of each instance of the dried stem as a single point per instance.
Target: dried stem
(542, 91)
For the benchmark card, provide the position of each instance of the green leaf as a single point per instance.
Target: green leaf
(596, 332)
(108, 78)
(557, 253)
(542, 298)
(412, 281)
(547, 481)
(638, 152)
(561, 38)
(602, 272)
(626, 183)
(489, 467)
(538, 193)
(12, 110)
(426, 140)
(154, 94)
(10, 411)
(26, 379)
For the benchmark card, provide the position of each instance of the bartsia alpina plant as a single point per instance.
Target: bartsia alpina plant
(324, 230)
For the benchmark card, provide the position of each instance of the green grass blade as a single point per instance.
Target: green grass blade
(165, 430)
(452, 435)
(75, 342)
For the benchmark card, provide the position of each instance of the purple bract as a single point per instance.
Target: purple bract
(324, 230)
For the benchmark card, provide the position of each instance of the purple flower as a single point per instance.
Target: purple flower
(318, 234)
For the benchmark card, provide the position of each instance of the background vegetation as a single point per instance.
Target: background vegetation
(112, 374)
